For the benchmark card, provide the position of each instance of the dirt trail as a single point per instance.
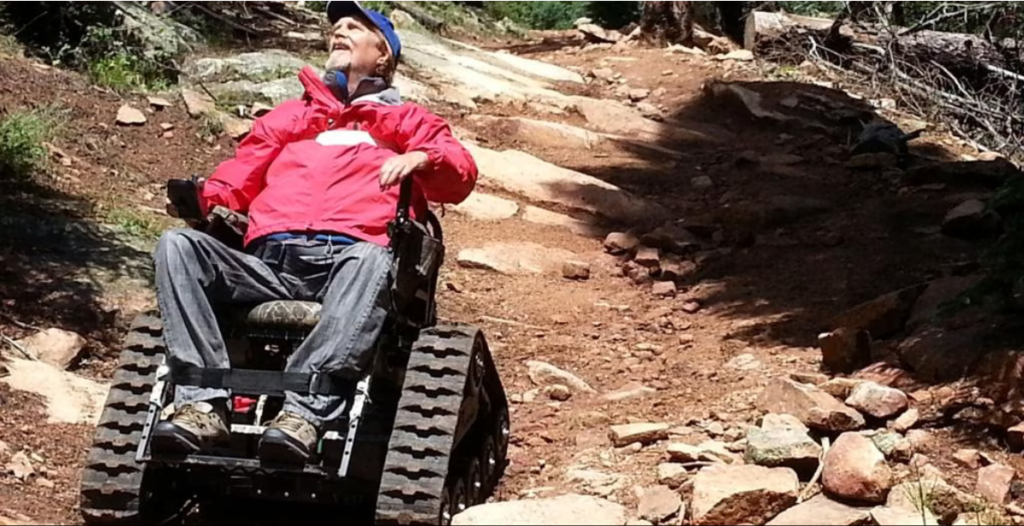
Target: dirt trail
(800, 238)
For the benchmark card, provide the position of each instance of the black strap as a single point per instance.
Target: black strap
(257, 382)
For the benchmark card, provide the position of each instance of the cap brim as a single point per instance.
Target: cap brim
(338, 10)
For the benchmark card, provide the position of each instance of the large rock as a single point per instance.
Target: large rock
(672, 475)
(825, 511)
(515, 258)
(197, 103)
(161, 38)
(966, 174)
(130, 116)
(258, 66)
(856, 469)
(742, 494)
(814, 407)
(247, 92)
(928, 494)
(564, 509)
(881, 317)
(790, 448)
(70, 399)
(971, 220)
(877, 400)
(937, 295)
(612, 117)
(659, 503)
(994, 483)
(936, 354)
(486, 207)
(538, 133)
(541, 216)
(772, 422)
(544, 374)
(845, 350)
(537, 180)
(54, 346)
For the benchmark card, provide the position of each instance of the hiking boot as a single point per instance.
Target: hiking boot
(289, 439)
(193, 428)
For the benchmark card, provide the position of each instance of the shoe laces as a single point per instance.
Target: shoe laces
(290, 422)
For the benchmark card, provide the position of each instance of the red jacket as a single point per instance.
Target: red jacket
(313, 165)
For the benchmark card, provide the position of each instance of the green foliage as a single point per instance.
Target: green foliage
(22, 141)
(539, 15)
(822, 9)
(133, 222)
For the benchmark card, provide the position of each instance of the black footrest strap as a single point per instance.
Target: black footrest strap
(257, 382)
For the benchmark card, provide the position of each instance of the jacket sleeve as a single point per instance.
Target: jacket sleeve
(453, 172)
(237, 181)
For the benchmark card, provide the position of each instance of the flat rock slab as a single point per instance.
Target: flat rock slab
(814, 407)
(486, 207)
(564, 509)
(885, 516)
(825, 511)
(544, 374)
(742, 494)
(70, 399)
(626, 434)
(544, 183)
(515, 258)
(582, 227)
(54, 346)
(791, 448)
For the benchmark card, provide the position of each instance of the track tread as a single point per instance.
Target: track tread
(420, 453)
(112, 480)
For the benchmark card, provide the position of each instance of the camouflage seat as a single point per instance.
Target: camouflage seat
(285, 314)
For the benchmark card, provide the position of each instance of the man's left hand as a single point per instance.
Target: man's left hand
(396, 169)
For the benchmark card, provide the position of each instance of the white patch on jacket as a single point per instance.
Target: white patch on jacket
(345, 138)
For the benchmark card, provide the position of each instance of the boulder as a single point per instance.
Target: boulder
(664, 289)
(258, 66)
(825, 511)
(54, 346)
(936, 354)
(877, 400)
(968, 174)
(845, 350)
(486, 207)
(247, 92)
(929, 494)
(882, 317)
(626, 434)
(69, 398)
(545, 183)
(540, 216)
(659, 503)
(855, 469)
(621, 243)
(971, 221)
(672, 238)
(772, 421)
(939, 293)
(647, 257)
(815, 408)
(790, 448)
(129, 116)
(742, 494)
(613, 117)
(197, 103)
(994, 483)
(564, 509)
(543, 374)
(539, 133)
(515, 258)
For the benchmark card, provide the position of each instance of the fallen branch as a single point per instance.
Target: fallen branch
(817, 473)
(16, 346)
(21, 324)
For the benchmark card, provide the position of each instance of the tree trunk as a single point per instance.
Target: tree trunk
(667, 22)
(730, 15)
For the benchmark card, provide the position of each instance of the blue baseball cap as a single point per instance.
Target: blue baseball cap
(338, 10)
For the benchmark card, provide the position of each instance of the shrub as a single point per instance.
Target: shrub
(22, 138)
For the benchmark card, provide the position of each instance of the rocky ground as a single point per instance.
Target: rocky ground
(704, 308)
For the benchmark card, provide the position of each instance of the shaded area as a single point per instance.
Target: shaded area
(57, 264)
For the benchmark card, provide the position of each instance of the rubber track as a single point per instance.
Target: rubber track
(426, 422)
(112, 481)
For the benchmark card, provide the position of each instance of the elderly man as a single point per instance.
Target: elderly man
(319, 180)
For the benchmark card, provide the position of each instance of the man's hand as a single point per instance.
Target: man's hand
(396, 169)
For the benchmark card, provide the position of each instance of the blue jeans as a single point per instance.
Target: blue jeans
(195, 273)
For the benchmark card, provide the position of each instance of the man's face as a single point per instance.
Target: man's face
(355, 47)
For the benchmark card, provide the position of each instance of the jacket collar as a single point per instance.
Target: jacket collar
(372, 90)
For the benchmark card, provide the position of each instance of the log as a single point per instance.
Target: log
(968, 57)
